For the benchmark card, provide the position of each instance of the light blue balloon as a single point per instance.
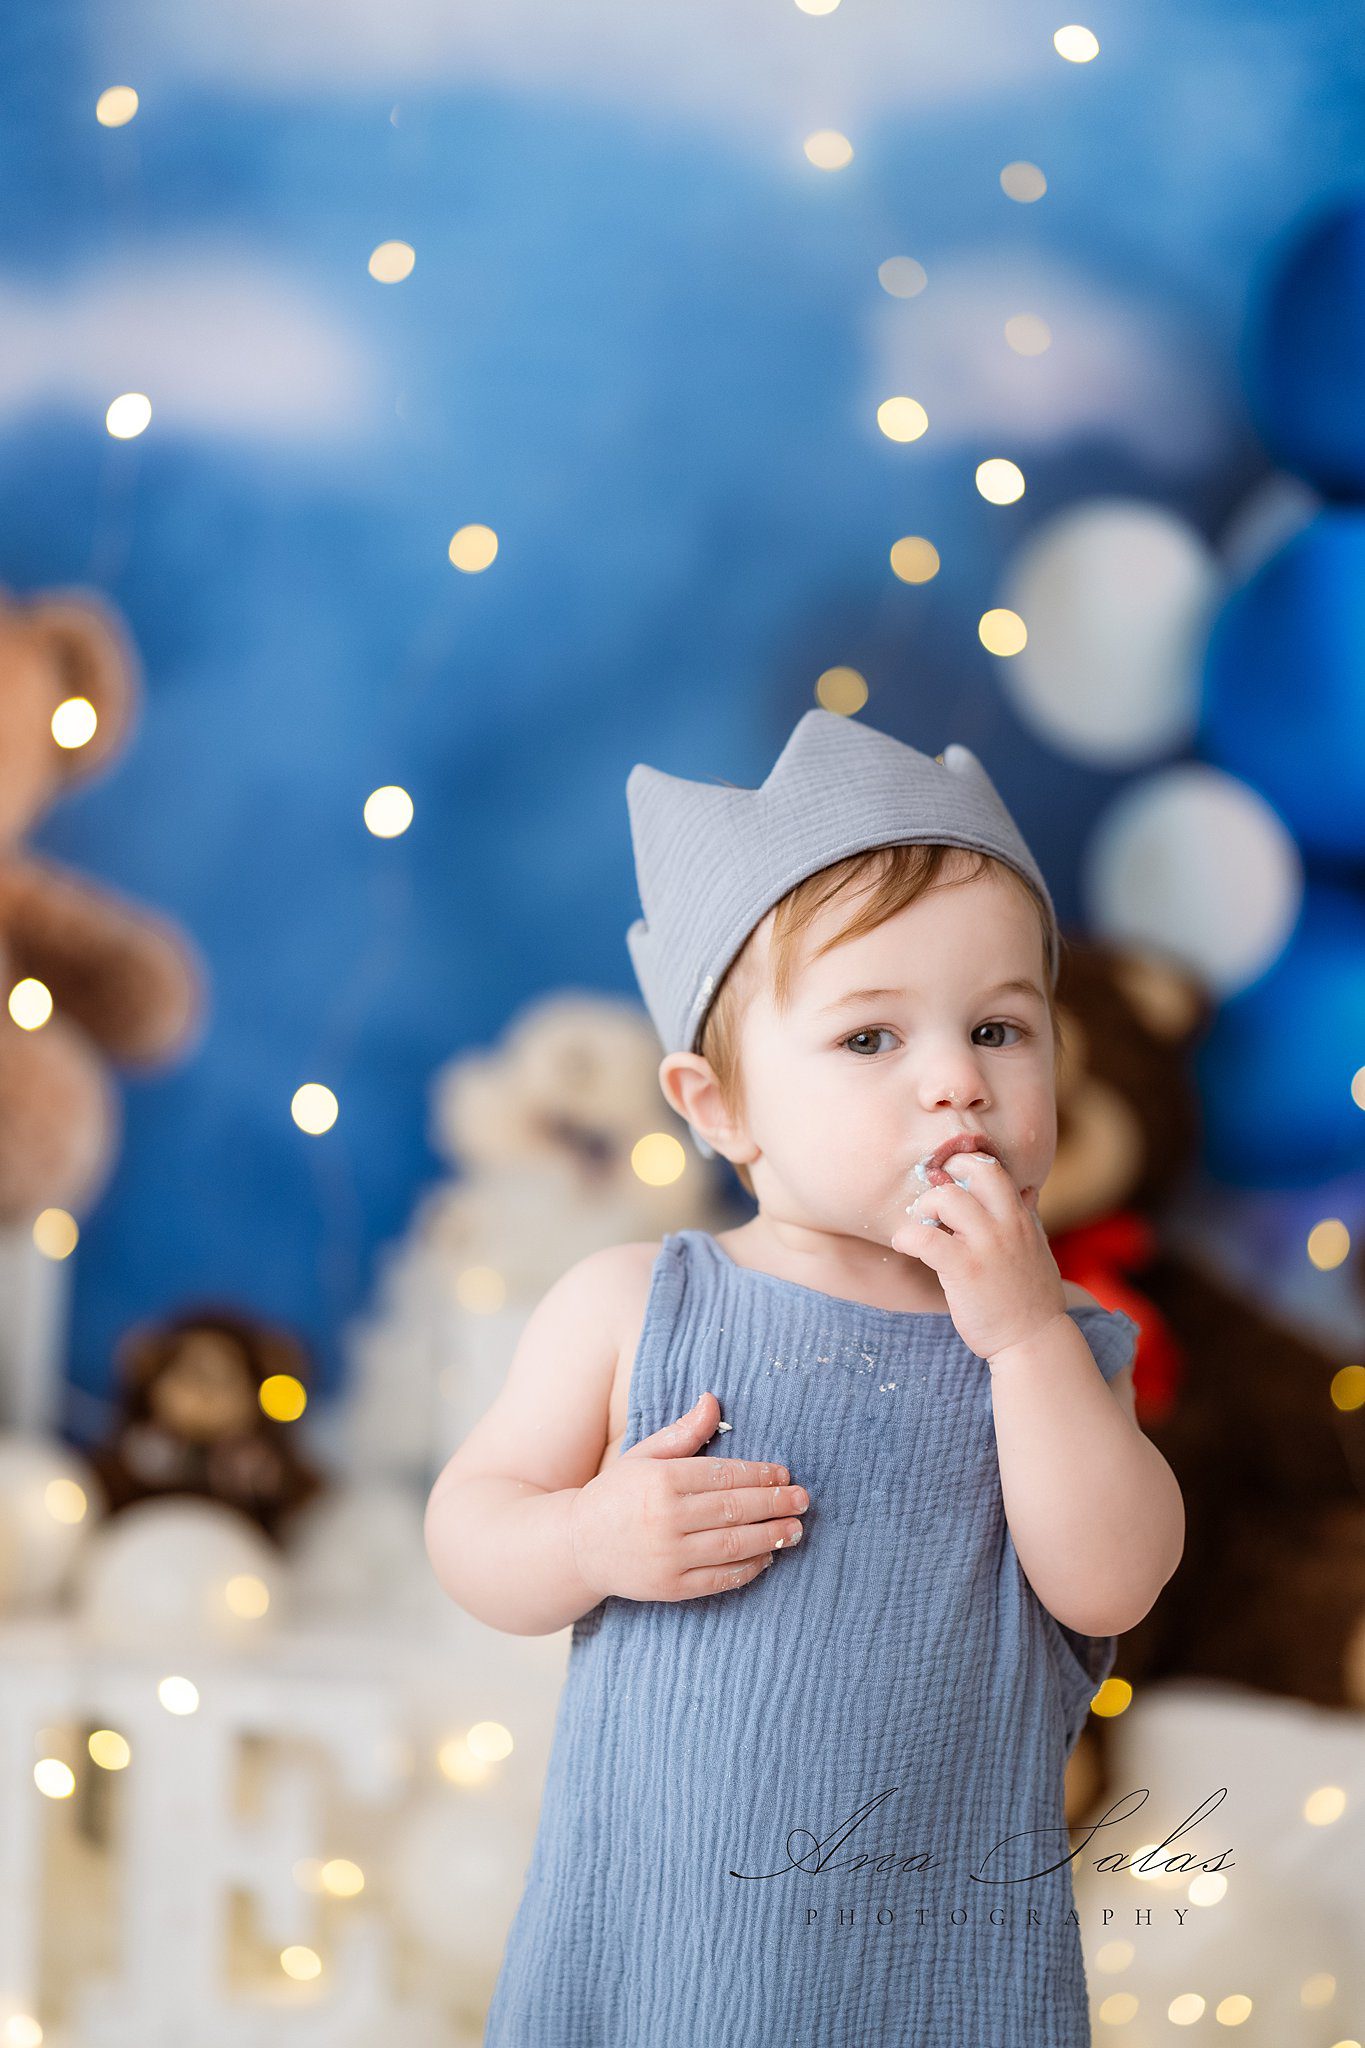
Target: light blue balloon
(1275, 1072)
(1283, 701)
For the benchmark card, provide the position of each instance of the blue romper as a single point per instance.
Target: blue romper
(764, 1808)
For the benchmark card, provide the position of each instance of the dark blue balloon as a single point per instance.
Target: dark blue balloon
(1303, 351)
(1275, 1072)
(1284, 685)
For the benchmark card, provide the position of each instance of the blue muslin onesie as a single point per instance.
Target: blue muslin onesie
(824, 1809)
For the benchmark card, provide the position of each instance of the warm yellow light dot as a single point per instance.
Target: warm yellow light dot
(1114, 1956)
(1113, 1697)
(391, 262)
(902, 277)
(108, 1749)
(1118, 2008)
(116, 106)
(1358, 1087)
(300, 1963)
(473, 548)
(1207, 1889)
(1325, 1805)
(1023, 182)
(490, 1741)
(314, 1108)
(247, 1595)
(1002, 631)
(828, 150)
(129, 415)
(817, 6)
(658, 1159)
(1148, 1864)
(30, 1003)
(178, 1695)
(74, 722)
(55, 1233)
(1348, 1388)
(914, 559)
(457, 1761)
(1318, 1990)
(22, 2031)
(1186, 2009)
(65, 1501)
(282, 1397)
(1231, 2011)
(54, 1779)
(1329, 1243)
(388, 811)
(1000, 482)
(1027, 335)
(902, 419)
(342, 1878)
(1078, 45)
(481, 1289)
(841, 690)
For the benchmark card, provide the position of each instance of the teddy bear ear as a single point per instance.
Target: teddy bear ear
(91, 654)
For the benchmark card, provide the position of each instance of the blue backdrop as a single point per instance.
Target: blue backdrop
(644, 340)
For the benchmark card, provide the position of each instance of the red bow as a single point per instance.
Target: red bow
(1108, 1256)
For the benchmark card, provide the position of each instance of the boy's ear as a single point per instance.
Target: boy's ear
(690, 1086)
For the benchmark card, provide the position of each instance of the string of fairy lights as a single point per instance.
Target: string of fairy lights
(387, 813)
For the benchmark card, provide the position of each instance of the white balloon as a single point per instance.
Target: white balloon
(359, 1550)
(164, 1568)
(1278, 508)
(43, 1528)
(459, 1863)
(1195, 863)
(1117, 597)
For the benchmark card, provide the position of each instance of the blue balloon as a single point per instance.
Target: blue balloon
(1303, 352)
(1284, 685)
(1275, 1071)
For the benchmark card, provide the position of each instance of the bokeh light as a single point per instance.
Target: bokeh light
(914, 559)
(902, 419)
(828, 150)
(842, 690)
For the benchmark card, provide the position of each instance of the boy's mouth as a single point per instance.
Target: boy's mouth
(931, 1169)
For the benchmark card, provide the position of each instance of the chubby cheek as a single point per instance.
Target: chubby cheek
(1033, 1141)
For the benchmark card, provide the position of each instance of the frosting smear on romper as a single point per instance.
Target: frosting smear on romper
(816, 1808)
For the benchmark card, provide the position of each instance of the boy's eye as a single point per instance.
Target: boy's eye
(999, 1024)
(879, 1031)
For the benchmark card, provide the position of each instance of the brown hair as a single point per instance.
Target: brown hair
(897, 875)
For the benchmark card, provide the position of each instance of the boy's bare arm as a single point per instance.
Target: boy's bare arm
(497, 1519)
(1095, 1511)
(501, 1549)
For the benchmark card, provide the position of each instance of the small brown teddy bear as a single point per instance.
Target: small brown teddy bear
(192, 1422)
(1270, 1592)
(125, 984)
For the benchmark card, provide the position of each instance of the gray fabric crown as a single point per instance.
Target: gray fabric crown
(712, 860)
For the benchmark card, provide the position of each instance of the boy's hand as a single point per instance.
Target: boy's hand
(992, 1255)
(662, 1523)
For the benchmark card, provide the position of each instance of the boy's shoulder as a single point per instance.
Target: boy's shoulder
(627, 1269)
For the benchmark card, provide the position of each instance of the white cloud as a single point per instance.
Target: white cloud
(220, 343)
(1117, 369)
(753, 69)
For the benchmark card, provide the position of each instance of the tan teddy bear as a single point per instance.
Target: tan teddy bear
(125, 984)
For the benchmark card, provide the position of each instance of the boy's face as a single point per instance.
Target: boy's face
(842, 1101)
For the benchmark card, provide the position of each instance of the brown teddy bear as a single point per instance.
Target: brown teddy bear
(125, 984)
(1270, 1592)
(191, 1419)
